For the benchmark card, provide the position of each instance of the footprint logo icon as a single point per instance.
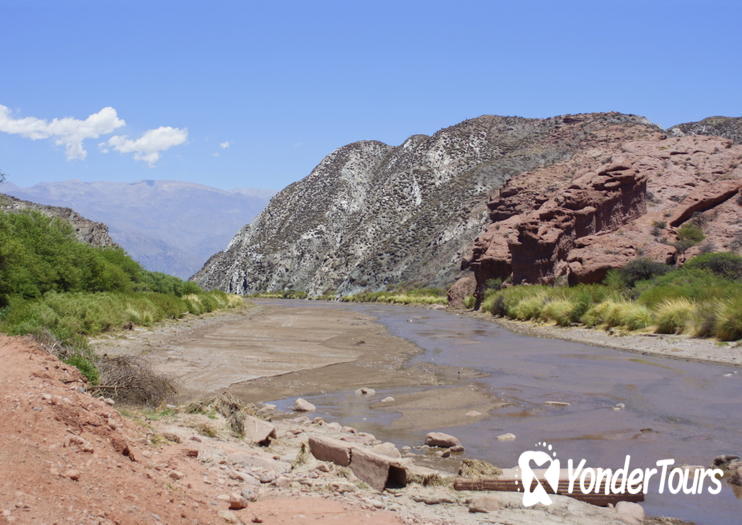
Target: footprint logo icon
(541, 459)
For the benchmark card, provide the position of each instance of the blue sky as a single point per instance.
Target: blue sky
(285, 83)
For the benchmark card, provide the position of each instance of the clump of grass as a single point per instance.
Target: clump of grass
(611, 313)
(469, 301)
(674, 315)
(424, 296)
(729, 323)
(559, 311)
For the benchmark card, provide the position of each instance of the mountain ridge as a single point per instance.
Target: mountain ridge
(371, 215)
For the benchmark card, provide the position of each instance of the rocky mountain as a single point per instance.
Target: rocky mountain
(88, 231)
(577, 219)
(372, 215)
(727, 127)
(167, 226)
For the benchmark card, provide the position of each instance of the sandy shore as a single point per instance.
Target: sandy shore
(667, 345)
(268, 352)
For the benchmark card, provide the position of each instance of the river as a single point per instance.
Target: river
(619, 402)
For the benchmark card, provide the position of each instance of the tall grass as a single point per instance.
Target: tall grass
(702, 300)
(423, 296)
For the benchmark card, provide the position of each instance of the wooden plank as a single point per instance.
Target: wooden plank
(596, 497)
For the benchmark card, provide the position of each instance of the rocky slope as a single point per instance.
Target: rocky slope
(167, 226)
(88, 231)
(372, 215)
(727, 127)
(602, 208)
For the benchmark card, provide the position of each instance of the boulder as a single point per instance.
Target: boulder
(630, 513)
(378, 471)
(388, 399)
(258, 431)
(387, 449)
(328, 449)
(460, 290)
(365, 391)
(439, 439)
(302, 405)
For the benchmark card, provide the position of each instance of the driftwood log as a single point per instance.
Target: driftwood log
(596, 497)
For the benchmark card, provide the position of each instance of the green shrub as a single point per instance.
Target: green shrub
(641, 269)
(86, 366)
(724, 264)
(689, 234)
(689, 283)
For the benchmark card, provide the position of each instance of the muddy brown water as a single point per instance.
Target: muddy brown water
(687, 411)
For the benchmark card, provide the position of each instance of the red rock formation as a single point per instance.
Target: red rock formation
(600, 209)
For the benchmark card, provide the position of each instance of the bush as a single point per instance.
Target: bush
(131, 380)
(689, 234)
(641, 269)
(686, 283)
(724, 264)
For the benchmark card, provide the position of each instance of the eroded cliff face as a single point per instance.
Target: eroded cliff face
(91, 232)
(371, 215)
(604, 207)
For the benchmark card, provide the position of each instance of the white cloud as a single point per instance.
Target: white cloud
(149, 146)
(225, 145)
(68, 132)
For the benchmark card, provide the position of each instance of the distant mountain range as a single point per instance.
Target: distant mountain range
(168, 226)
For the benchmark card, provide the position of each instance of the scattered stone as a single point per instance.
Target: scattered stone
(237, 502)
(249, 494)
(318, 421)
(196, 439)
(228, 516)
(191, 453)
(267, 476)
(473, 413)
(485, 503)
(433, 499)
(557, 403)
(736, 478)
(439, 439)
(618, 407)
(341, 487)
(388, 399)
(457, 448)
(176, 475)
(506, 437)
(387, 449)
(349, 430)
(72, 474)
(365, 391)
(171, 437)
(444, 453)
(631, 513)
(46, 397)
(109, 401)
(258, 432)
(334, 426)
(376, 470)
(302, 405)
(328, 449)
(724, 460)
